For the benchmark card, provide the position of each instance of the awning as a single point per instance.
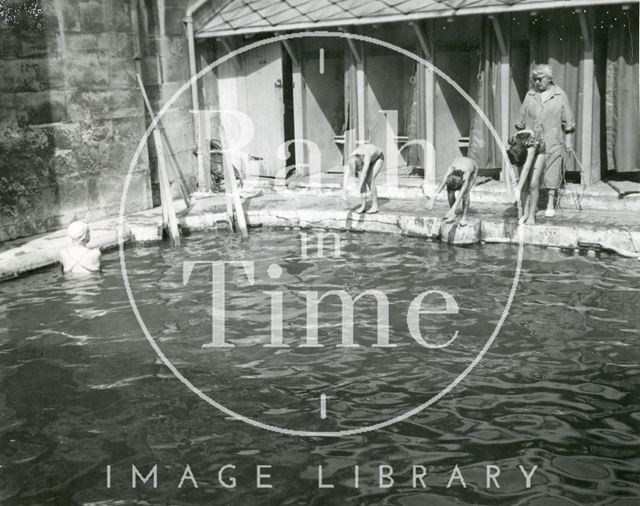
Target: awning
(236, 17)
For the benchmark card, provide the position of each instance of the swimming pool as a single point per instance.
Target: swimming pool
(82, 389)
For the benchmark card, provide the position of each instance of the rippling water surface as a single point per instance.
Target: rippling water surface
(81, 387)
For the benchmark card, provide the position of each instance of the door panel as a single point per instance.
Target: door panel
(324, 105)
(265, 106)
(453, 112)
(253, 85)
(389, 78)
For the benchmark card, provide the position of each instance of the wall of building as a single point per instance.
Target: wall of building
(71, 112)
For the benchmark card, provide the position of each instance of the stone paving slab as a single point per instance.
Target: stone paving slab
(597, 197)
(490, 223)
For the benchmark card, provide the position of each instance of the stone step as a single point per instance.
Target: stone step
(597, 197)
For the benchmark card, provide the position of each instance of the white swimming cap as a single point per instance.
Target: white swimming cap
(78, 231)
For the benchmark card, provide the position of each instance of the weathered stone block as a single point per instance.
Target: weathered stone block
(8, 75)
(118, 155)
(73, 194)
(71, 15)
(93, 188)
(39, 74)
(92, 16)
(178, 46)
(187, 167)
(138, 195)
(99, 132)
(122, 73)
(149, 69)
(174, 17)
(145, 232)
(65, 136)
(176, 122)
(499, 231)
(176, 68)
(77, 110)
(63, 164)
(37, 108)
(550, 234)
(420, 226)
(121, 46)
(150, 47)
(9, 45)
(120, 17)
(52, 24)
(168, 90)
(7, 109)
(454, 233)
(37, 45)
(31, 75)
(80, 43)
(87, 72)
(24, 148)
(108, 104)
(128, 130)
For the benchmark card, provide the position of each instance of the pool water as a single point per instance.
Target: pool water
(81, 387)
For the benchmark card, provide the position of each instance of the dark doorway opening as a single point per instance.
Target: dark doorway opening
(287, 98)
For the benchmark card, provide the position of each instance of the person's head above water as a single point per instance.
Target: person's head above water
(78, 232)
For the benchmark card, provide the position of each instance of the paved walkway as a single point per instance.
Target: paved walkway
(492, 222)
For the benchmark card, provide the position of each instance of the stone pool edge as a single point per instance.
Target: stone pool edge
(145, 227)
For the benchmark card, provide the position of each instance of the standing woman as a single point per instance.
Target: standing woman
(546, 108)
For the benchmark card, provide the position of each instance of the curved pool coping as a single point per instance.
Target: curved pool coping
(407, 217)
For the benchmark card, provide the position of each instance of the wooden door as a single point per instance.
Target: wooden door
(324, 104)
(265, 106)
(390, 79)
(453, 112)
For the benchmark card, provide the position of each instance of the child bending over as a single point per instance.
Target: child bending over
(460, 177)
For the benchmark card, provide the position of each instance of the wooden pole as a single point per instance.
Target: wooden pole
(183, 192)
(228, 192)
(176, 171)
(229, 177)
(165, 192)
(169, 218)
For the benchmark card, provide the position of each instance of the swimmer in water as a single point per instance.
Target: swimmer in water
(77, 258)
(366, 162)
(460, 176)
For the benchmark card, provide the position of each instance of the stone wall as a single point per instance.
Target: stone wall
(71, 112)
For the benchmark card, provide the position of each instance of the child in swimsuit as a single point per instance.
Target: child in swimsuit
(77, 258)
(460, 177)
(527, 152)
(366, 162)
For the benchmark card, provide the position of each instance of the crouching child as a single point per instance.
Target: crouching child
(460, 177)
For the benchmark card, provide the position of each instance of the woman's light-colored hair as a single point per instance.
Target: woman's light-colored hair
(543, 70)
